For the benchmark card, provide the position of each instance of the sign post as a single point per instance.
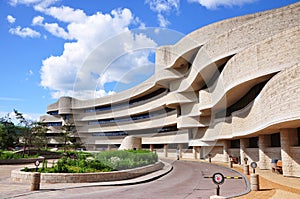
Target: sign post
(218, 179)
(37, 163)
(254, 179)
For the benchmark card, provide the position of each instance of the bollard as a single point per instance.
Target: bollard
(230, 163)
(35, 181)
(254, 182)
(246, 169)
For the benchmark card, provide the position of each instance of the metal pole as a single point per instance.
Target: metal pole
(218, 190)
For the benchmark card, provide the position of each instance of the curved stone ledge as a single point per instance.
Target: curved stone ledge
(279, 104)
(234, 41)
(259, 62)
(25, 177)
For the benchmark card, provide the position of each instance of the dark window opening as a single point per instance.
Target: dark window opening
(275, 140)
(298, 135)
(54, 123)
(131, 102)
(133, 117)
(148, 96)
(214, 77)
(253, 142)
(53, 113)
(234, 143)
(243, 102)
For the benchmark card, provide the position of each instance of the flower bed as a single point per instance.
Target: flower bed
(25, 177)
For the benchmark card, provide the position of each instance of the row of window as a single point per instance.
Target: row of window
(274, 141)
(122, 133)
(54, 123)
(131, 102)
(136, 117)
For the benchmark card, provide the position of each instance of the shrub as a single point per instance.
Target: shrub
(103, 161)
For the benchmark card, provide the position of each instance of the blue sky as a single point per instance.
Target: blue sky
(90, 48)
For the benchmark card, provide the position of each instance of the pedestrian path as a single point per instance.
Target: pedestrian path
(10, 189)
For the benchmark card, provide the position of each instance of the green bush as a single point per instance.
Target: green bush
(82, 162)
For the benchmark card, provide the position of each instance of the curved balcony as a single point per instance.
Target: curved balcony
(167, 55)
(232, 42)
(276, 107)
(154, 122)
(259, 62)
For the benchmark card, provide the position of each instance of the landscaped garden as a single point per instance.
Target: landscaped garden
(105, 161)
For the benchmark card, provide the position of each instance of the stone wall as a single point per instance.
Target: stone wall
(25, 177)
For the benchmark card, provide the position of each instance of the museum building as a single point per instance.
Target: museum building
(231, 88)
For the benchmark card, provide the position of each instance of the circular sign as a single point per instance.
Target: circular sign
(253, 165)
(37, 163)
(218, 178)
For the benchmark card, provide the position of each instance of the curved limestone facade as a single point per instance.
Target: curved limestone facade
(230, 88)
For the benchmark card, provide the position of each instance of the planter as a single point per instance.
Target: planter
(25, 177)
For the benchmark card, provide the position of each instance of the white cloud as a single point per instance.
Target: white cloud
(56, 30)
(36, 3)
(212, 4)
(24, 32)
(162, 7)
(90, 34)
(11, 19)
(53, 28)
(65, 14)
(163, 22)
(9, 99)
(38, 20)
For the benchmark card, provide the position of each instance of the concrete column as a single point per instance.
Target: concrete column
(109, 147)
(180, 150)
(195, 148)
(226, 145)
(262, 145)
(243, 145)
(166, 150)
(199, 151)
(287, 139)
(151, 147)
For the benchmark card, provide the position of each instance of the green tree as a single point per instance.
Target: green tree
(8, 137)
(32, 133)
(40, 129)
(26, 131)
(67, 133)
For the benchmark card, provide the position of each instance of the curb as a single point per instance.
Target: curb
(139, 180)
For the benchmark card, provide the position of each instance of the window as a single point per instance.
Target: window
(298, 136)
(53, 113)
(253, 142)
(275, 140)
(234, 143)
(54, 123)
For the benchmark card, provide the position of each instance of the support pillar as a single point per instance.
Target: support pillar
(226, 145)
(151, 147)
(195, 148)
(262, 145)
(287, 139)
(166, 150)
(243, 145)
(180, 150)
(108, 147)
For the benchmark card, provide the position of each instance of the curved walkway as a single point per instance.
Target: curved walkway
(187, 180)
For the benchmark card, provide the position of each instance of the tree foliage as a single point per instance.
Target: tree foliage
(8, 135)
